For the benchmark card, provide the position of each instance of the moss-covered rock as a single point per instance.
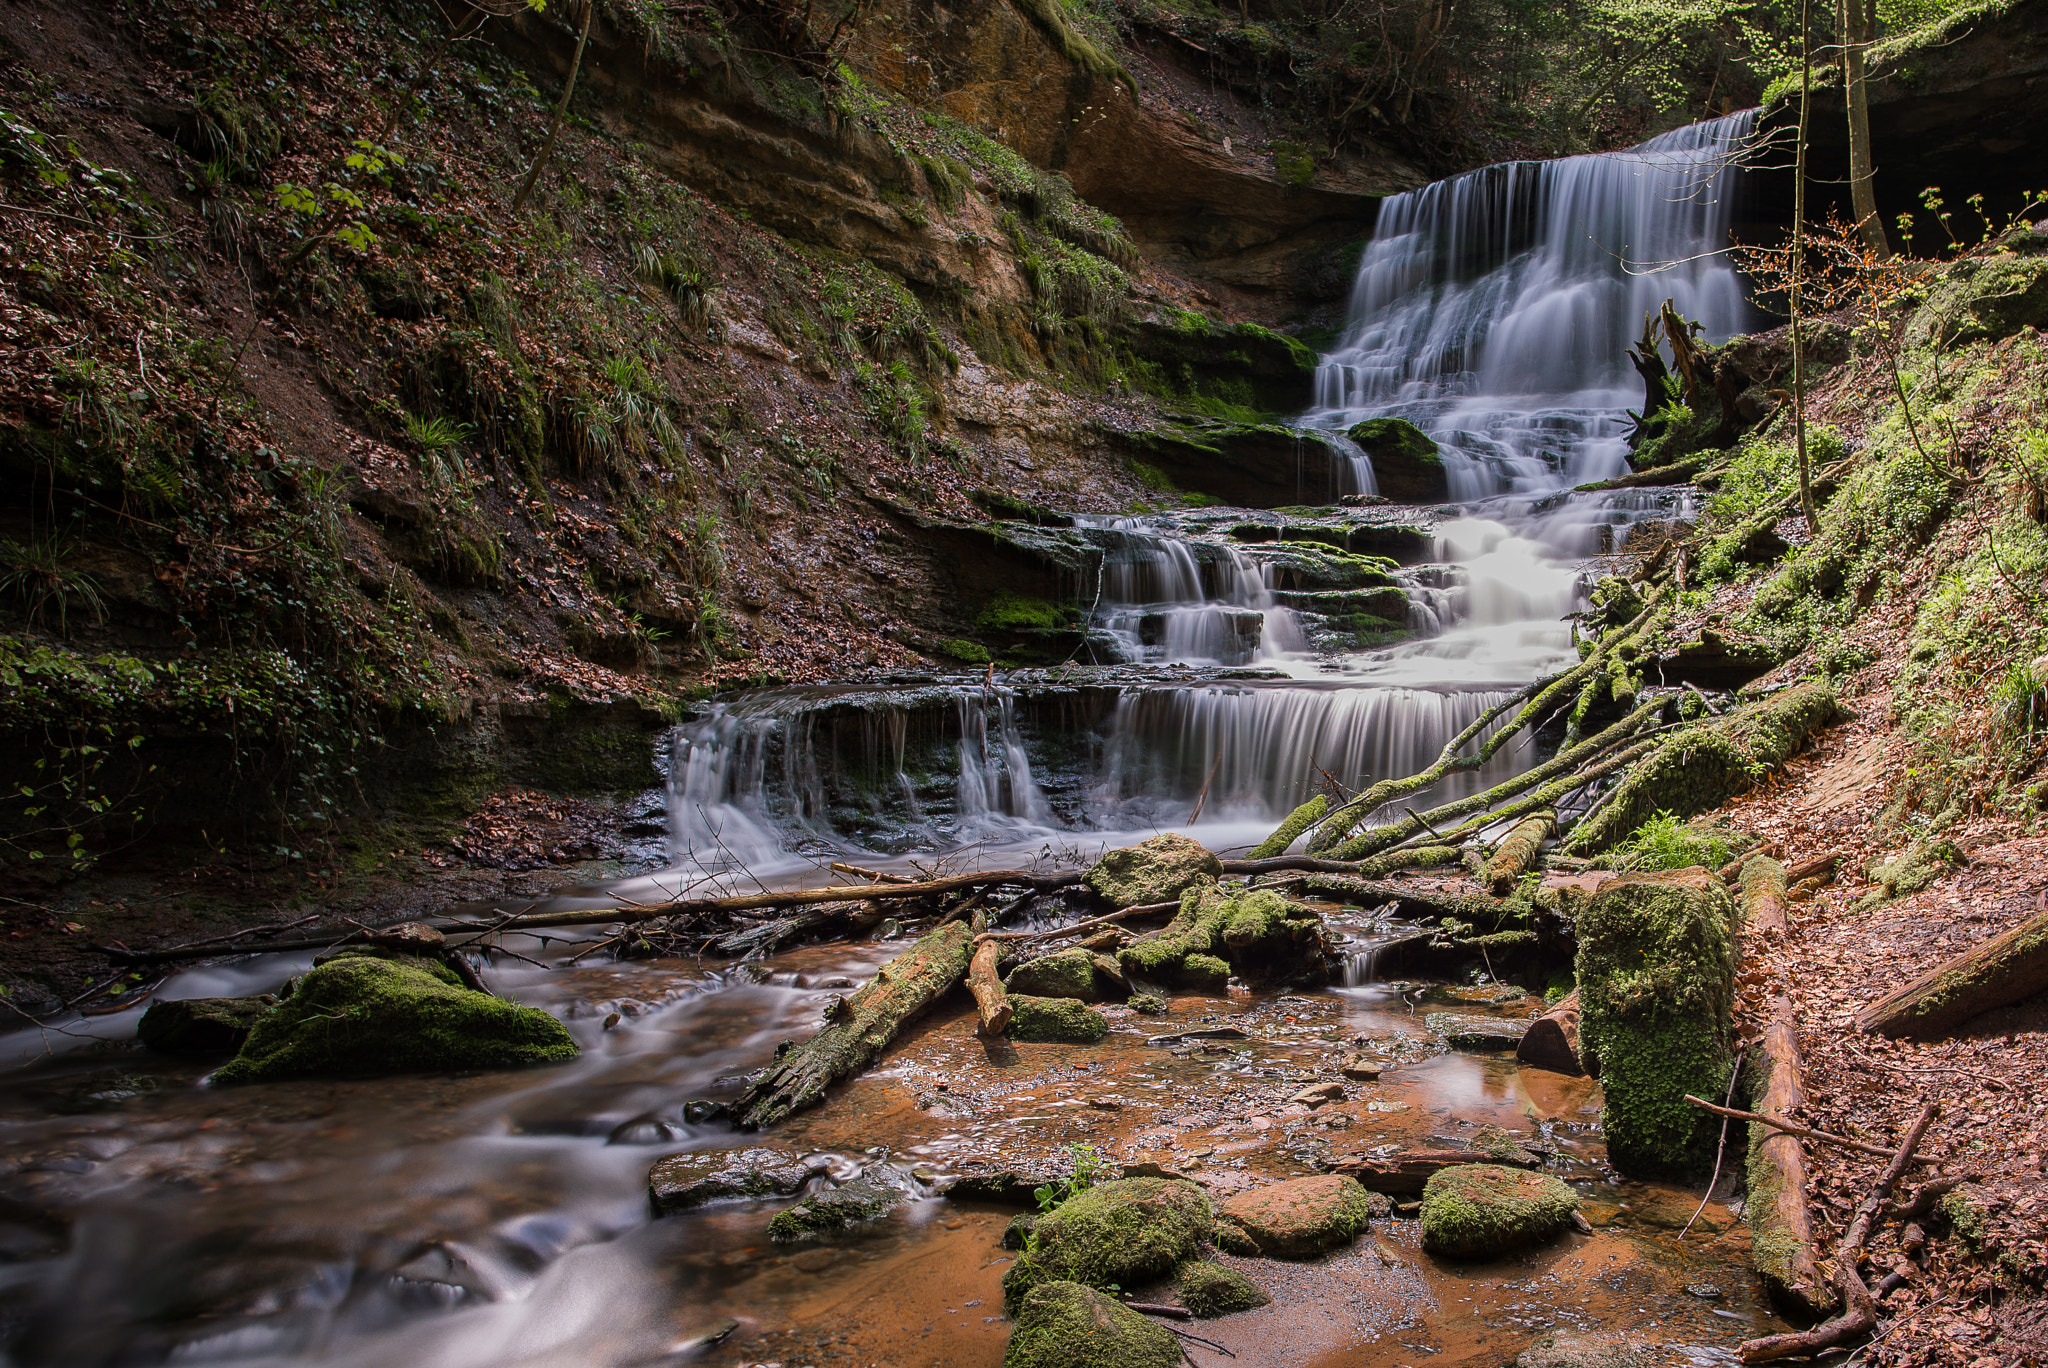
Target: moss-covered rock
(1203, 973)
(359, 1015)
(1055, 1021)
(1154, 871)
(1297, 1219)
(1656, 974)
(1066, 1325)
(1209, 1290)
(1068, 974)
(1017, 1234)
(1259, 935)
(193, 1028)
(1147, 1004)
(1406, 463)
(849, 1204)
(1982, 300)
(1121, 1233)
(1482, 1210)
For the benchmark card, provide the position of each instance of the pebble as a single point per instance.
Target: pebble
(1705, 1291)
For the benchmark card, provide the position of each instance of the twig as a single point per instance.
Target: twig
(1160, 1309)
(1720, 1146)
(1203, 797)
(1805, 1133)
(877, 875)
(1059, 931)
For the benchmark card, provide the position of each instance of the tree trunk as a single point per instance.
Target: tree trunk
(1997, 973)
(1553, 1040)
(1781, 1230)
(1856, 22)
(547, 148)
(989, 997)
(1798, 264)
(860, 1029)
(1516, 851)
(1763, 898)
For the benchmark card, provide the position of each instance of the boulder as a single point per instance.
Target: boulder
(1068, 974)
(1481, 1210)
(1297, 1219)
(1406, 463)
(1154, 871)
(1122, 1233)
(1656, 973)
(1408, 1172)
(359, 1015)
(1067, 1021)
(1008, 1186)
(1476, 994)
(1553, 1039)
(1481, 1034)
(1066, 1325)
(683, 1182)
(824, 1213)
(197, 1027)
(1259, 935)
(1209, 1290)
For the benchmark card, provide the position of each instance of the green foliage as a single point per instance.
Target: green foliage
(1666, 842)
(1010, 612)
(40, 575)
(1089, 1168)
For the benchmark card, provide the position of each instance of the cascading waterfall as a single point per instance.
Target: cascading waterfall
(1493, 310)
(1164, 605)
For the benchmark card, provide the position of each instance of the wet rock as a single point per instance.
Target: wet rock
(1361, 1069)
(197, 1027)
(1068, 974)
(358, 1015)
(1298, 1219)
(1316, 1094)
(1479, 1034)
(1475, 994)
(1122, 1233)
(1406, 464)
(825, 1213)
(1147, 1004)
(1210, 1290)
(1203, 973)
(1008, 1186)
(1018, 1232)
(1055, 1020)
(1482, 1210)
(1656, 972)
(1590, 1349)
(1154, 871)
(682, 1182)
(1067, 1325)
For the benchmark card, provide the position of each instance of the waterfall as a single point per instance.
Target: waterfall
(1494, 309)
(1163, 605)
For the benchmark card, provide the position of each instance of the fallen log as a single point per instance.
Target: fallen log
(1763, 899)
(1552, 1040)
(1859, 1305)
(1298, 821)
(860, 1028)
(1516, 851)
(1781, 1239)
(1998, 973)
(989, 997)
(765, 938)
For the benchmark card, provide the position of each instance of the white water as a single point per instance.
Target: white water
(1162, 605)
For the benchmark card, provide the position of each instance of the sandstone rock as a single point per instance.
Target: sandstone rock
(1316, 1094)
(682, 1182)
(1066, 1325)
(1478, 1034)
(1360, 1068)
(1154, 871)
(1482, 1210)
(1298, 1219)
(1123, 1233)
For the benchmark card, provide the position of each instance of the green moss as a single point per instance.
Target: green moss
(1665, 842)
(1482, 1210)
(1210, 1290)
(1055, 1020)
(1147, 1004)
(1066, 1325)
(1118, 1234)
(1295, 163)
(849, 1204)
(357, 1015)
(1298, 821)
(1067, 974)
(1153, 871)
(968, 652)
(1656, 975)
(1008, 612)
(1204, 973)
(196, 1027)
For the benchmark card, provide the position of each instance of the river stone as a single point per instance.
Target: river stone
(849, 1204)
(1066, 1325)
(1480, 1210)
(1475, 1033)
(1122, 1233)
(358, 1015)
(1594, 1349)
(1154, 871)
(1055, 1021)
(684, 1181)
(195, 1027)
(1008, 1186)
(1069, 974)
(1475, 994)
(1297, 1219)
(1656, 973)
(1406, 464)
(1209, 1290)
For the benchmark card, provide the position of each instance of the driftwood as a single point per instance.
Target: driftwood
(1516, 851)
(1859, 1306)
(1997, 973)
(1791, 1128)
(1781, 1247)
(989, 998)
(860, 1027)
(1552, 1041)
(764, 938)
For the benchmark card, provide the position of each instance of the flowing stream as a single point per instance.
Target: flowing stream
(502, 1219)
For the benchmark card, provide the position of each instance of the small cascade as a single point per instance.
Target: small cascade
(995, 770)
(1167, 600)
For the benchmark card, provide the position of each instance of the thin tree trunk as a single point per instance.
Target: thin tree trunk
(1799, 266)
(1856, 22)
(561, 109)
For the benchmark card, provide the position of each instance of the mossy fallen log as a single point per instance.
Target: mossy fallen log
(1997, 973)
(1517, 851)
(1284, 835)
(1702, 767)
(1763, 898)
(861, 1028)
(1781, 1227)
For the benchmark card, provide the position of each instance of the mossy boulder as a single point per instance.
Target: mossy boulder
(1259, 935)
(850, 1204)
(1068, 974)
(360, 1015)
(193, 1028)
(1406, 462)
(1057, 1021)
(1154, 871)
(1477, 1211)
(1123, 1233)
(1147, 1004)
(1982, 300)
(1209, 1290)
(1656, 974)
(1066, 1325)
(1297, 1219)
